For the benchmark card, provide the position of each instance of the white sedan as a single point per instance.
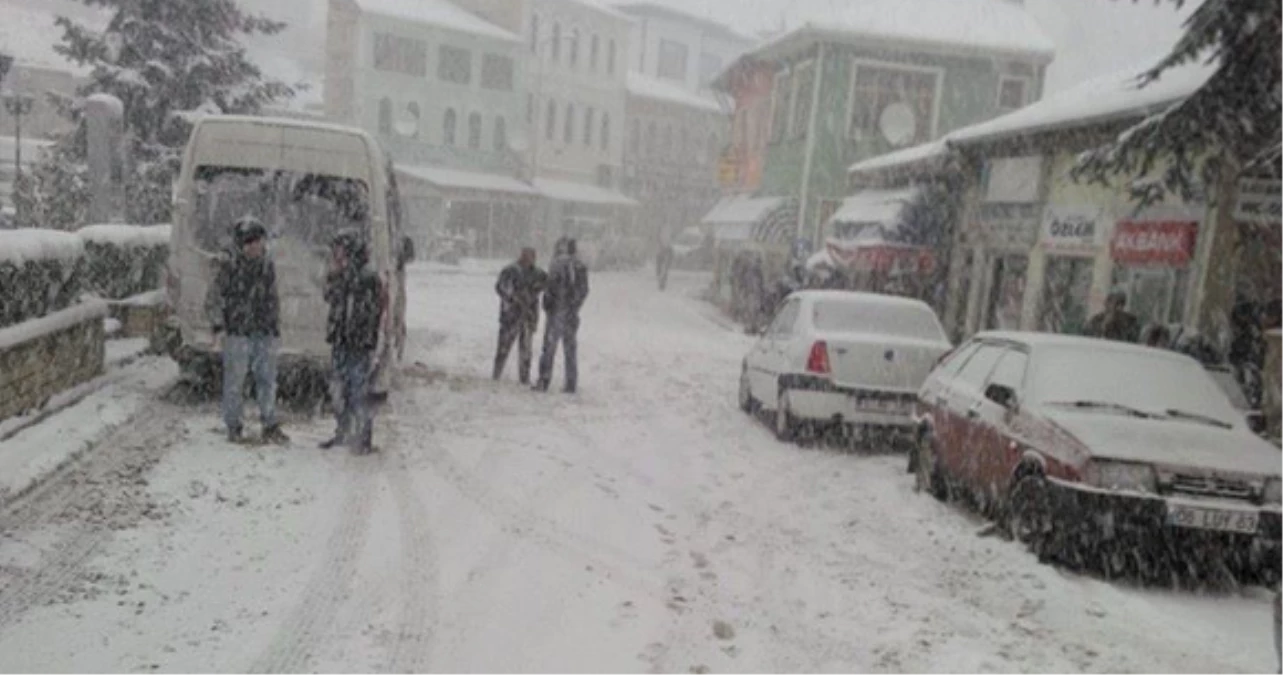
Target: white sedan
(842, 359)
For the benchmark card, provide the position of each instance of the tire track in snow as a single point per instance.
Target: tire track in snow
(137, 444)
(304, 629)
(420, 595)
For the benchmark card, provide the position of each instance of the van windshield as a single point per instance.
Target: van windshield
(311, 208)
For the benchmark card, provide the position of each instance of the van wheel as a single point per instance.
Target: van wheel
(785, 424)
(929, 476)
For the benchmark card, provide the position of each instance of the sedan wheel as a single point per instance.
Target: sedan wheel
(785, 425)
(747, 404)
(1029, 514)
(929, 476)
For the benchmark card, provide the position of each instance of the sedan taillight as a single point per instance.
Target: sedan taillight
(818, 361)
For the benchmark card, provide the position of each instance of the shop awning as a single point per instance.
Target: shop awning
(739, 210)
(580, 193)
(453, 179)
(733, 233)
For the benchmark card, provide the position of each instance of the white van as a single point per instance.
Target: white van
(305, 182)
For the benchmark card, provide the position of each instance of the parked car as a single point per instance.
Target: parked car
(1233, 389)
(1101, 450)
(836, 358)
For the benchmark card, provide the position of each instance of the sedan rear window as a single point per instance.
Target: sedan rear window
(853, 316)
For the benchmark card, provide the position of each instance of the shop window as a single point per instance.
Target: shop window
(496, 72)
(454, 65)
(805, 87)
(1156, 295)
(1006, 293)
(894, 104)
(1066, 290)
(673, 57)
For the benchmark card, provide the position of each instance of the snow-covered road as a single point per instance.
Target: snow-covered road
(642, 525)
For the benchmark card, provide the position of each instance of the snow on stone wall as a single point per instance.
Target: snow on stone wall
(20, 246)
(126, 235)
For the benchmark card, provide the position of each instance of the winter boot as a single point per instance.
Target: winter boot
(236, 435)
(541, 386)
(365, 446)
(273, 434)
(337, 440)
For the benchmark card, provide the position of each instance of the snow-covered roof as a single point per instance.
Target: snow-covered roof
(438, 13)
(998, 26)
(741, 210)
(19, 246)
(644, 86)
(877, 207)
(580, 193)
(713, 28)
(1099, 100)
(905, 157)
(874, 299)
(126, 235)
(466, 180)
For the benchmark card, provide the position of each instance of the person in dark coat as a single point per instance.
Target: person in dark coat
(1115, 323)
(518, 287)
(244, 312)
(563, 298)
(357, 302)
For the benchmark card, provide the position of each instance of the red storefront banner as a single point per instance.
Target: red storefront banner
(883, 257)
(1154, 242)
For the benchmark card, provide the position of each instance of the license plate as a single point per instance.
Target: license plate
(1212, 519)
(887, 406)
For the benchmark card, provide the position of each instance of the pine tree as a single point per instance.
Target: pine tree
(168, 61)
(1232, 123)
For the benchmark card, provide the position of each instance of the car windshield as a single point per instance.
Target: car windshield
(1096, 378)
(308, 207)
(854, 316)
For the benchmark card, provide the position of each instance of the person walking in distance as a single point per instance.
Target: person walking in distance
(564, 297)
(357, 299)
(244, 312)
(518, 287)
(664, 261)
(1115, 323)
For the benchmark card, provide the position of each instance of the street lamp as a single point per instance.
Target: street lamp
(17, 105)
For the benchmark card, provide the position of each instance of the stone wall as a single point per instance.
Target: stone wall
(45, 356)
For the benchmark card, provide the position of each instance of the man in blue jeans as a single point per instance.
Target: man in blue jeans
(563, 298)
(357, 301)
(244, 311)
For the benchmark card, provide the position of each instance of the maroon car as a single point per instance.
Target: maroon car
(1108, 452)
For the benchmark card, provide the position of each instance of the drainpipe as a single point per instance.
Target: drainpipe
(810, 147)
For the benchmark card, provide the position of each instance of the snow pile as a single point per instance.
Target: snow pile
(30, 330)
(20, 246)
(126, 236)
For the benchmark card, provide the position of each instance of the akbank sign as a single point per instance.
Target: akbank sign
(1072, 229)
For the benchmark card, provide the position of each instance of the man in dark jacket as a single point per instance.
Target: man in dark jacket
(357, 299)
(564, 297)
(244, 312)
(518, 287)
(1115, 323)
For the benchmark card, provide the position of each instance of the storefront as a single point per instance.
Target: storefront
(492, 213)
(1152, 263)
(1070, 244)
(601, 221)
(747, 229)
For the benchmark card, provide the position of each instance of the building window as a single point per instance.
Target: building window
(474, 131)
(1012, 93)
(668, 142)
(530, 108)
(570, 124)
(500, 134)
(634, 139)
(896, 105)
(413, 115)
(781, 101)
(454, 65)
(710, 66)
(550, 121)
(605, 132)
(610, 59)
(556, 42)
(672, 60)
(385, 116)
(594, 54)
(652, 140)
(449, 126)
(804, 85)
(574, 48)
(395, 54)
(534, 35)
(496, 72)
(589, 123)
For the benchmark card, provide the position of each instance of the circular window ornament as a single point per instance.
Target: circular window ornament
(898, 123)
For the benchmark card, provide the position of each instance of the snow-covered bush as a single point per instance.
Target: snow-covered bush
(124, 260)
(40, 273)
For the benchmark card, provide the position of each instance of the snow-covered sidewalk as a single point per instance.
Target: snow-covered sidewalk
(642, 525)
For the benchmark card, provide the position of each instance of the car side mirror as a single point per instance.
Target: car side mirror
(1002, 395)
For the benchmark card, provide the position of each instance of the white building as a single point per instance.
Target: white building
(680, 48)
(443, 89)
